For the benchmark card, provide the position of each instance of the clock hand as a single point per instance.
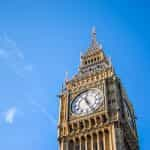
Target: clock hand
(88, 103)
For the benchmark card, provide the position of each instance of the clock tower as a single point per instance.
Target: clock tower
(95, 112)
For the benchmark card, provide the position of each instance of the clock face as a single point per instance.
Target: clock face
(87, 102)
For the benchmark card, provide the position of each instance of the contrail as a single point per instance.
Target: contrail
(43, 110)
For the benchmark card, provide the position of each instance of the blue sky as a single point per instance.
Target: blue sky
(42, 39)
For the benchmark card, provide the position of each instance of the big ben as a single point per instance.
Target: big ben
(95, 112)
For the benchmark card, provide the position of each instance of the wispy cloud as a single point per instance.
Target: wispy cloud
(13, 56)
(3, 53)
(10, 115)
(28, 67)
(43, 110)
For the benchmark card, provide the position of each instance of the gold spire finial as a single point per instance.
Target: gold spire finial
(93, 36)
(66, 76)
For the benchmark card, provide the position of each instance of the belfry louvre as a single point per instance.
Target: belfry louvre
(95, 112)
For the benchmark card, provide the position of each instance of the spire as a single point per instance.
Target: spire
(94, 43)
(66, 76)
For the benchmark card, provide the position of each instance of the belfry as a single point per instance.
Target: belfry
(95, 112)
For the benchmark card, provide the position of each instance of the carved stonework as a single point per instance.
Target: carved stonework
(95, 112)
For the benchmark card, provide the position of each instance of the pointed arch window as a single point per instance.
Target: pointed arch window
(71, 145)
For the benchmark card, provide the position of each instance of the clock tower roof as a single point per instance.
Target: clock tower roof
(94, 45)
(94, 59)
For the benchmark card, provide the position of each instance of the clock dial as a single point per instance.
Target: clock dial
(87, 102)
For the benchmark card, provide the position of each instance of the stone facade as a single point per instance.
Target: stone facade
(112, 125)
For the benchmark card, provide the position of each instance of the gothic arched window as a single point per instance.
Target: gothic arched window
(101, 141)
(95, 142)
(82, 143)
(77, 145)
(71, 145)
(88, 142)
